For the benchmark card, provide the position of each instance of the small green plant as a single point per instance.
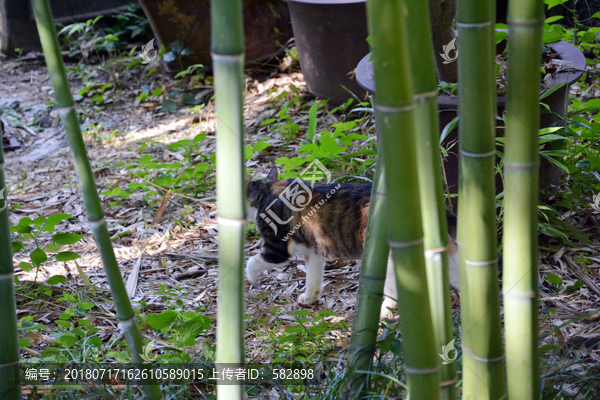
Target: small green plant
(35, 234)
(179, 327)
(96, 92)
(348, 152)
(195, 69)
(308, 339)
(84, 38)
(176, 52)
(18, 54)
(557, 282)
(191, 173)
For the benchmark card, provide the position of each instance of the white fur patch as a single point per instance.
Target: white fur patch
(453, 270)
(251, 213)
(256, 265)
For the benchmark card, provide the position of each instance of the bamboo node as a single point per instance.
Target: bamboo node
(421, 371)
(127, 321)
(391, 109)
(425, 95)
(9, 364)
(432, 252)
(477, 155)
(520, 167)
(524, 24)
(404, 245)
(7, 275)
(230, 221)
(482, 359)
(96, 223)
(520, 296)
(63, 111)
(448, 382)
(473, 24)
(481, 263)
(228, 57)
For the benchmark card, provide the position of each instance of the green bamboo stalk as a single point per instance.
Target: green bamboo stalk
(370, 285)
(9, 338)
(228, 65)
(95, 214)
(479, 291)
(433, 210)
(521, 163)
(393, 85)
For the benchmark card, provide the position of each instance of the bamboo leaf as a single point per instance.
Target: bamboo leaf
(448, 129)
(552, 90)
(312, 122)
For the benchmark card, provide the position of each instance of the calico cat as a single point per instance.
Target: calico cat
(319, 221)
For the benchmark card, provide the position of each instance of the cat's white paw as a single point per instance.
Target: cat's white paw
(385, 308)
(306, 299)
(251, 271)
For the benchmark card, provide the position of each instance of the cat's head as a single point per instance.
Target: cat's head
(256, 190)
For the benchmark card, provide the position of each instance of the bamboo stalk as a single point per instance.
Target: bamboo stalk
(482, 341)
(370, 285)
(95, 214)
(9, 338)
(433, 210)
(521, 164)
(393, 85)
(228, 62)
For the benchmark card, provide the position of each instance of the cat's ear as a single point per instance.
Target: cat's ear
(273, 174)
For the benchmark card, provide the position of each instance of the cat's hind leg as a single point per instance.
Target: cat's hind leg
(390, 290)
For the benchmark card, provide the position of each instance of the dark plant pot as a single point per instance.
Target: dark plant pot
(557, 101)
(330, 38)
(17, 25)
(189, 21)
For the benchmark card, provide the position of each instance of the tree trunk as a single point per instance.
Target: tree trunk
(442, 14)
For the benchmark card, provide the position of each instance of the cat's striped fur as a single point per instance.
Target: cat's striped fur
(322, 221)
